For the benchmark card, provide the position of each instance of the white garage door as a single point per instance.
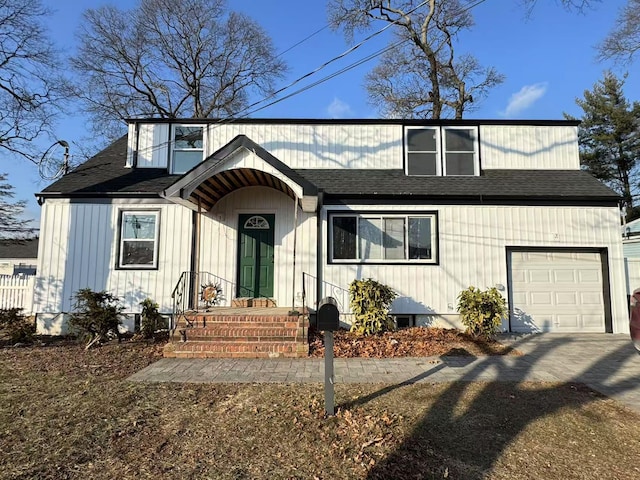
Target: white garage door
(557, 292)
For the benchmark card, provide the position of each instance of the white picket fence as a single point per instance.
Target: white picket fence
(17, 292)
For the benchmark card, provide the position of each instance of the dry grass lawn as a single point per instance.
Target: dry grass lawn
(66, 413)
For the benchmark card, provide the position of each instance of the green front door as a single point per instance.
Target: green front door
(255, 255)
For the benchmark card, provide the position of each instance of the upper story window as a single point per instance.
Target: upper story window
(187, 147)
(442, 151)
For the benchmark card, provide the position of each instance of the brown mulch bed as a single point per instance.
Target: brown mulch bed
(408, 342)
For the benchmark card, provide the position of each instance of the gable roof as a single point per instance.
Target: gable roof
(186, 184)
(19, 248)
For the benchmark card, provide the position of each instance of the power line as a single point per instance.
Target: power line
(240, 113)
(327, 63)
(302, 41)
(328, 77)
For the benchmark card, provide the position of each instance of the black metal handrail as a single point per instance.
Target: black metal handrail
(188, 293)
(327, 289)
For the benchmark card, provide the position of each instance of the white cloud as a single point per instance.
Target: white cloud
(524, 98)
(339, 109)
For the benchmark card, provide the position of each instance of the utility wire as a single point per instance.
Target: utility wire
(240, 113)
(328, 77)
(327, 63)
(302, 41)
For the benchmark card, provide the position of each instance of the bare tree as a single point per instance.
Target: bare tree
(623, 42)
(422, 76)
(571, 5)
(30, 88)
(168, 59)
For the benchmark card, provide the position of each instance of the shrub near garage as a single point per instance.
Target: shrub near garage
(482, 311)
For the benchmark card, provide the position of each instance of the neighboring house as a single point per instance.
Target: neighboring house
(294, 210)
(631, 251)
(631, 239)
(18, 257)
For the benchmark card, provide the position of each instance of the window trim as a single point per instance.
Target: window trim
(476, 150)
(441, 164)
(435, 233)
(122, 213)
(438, 151)
(172, 149)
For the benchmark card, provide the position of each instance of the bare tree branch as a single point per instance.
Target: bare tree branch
(423, 77)
(31, 90)
(168, 59)
(623, 42)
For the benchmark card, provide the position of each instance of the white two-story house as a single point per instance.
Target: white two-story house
(293, 210)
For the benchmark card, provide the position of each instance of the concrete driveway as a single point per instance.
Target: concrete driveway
(607, 363)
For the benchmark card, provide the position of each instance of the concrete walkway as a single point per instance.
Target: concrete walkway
(607, 363)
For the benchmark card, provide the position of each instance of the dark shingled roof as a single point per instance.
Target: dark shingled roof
(19, 248)
(565, 184)
(105, 174)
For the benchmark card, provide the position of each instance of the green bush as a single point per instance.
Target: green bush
(152, 321)
(370, 302)
(19, 328)
(96, 316)
(482, 311)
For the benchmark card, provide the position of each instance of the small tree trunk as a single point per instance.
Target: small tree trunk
(95, 340)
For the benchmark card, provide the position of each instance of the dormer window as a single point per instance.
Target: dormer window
(187, 147)
(441, 151)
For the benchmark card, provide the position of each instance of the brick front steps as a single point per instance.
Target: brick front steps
(239, 335)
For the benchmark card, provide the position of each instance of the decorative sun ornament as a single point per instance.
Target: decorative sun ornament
(211, 294)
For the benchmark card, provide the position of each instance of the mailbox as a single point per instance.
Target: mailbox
(328, 317)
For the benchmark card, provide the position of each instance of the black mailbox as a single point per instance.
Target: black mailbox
(328, 314)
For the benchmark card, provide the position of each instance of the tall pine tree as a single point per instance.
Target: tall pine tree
(610, 138)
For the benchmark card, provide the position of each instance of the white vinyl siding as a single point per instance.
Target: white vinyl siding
(81, 249)
(153, 145)
(529, 147)
(318, 146)
(472, 250)
(368, 146)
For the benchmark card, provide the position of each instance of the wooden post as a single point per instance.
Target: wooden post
(196, 274)
(295, 231)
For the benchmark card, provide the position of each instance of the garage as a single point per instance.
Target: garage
(557, 291)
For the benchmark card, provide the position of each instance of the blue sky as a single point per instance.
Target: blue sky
(548, 60)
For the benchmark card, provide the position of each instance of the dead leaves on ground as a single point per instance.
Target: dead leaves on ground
(410, 342)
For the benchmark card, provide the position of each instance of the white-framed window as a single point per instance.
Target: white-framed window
(138, 246)
(423, 151)
(382, 238)
(451, 150)
(187, 147)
